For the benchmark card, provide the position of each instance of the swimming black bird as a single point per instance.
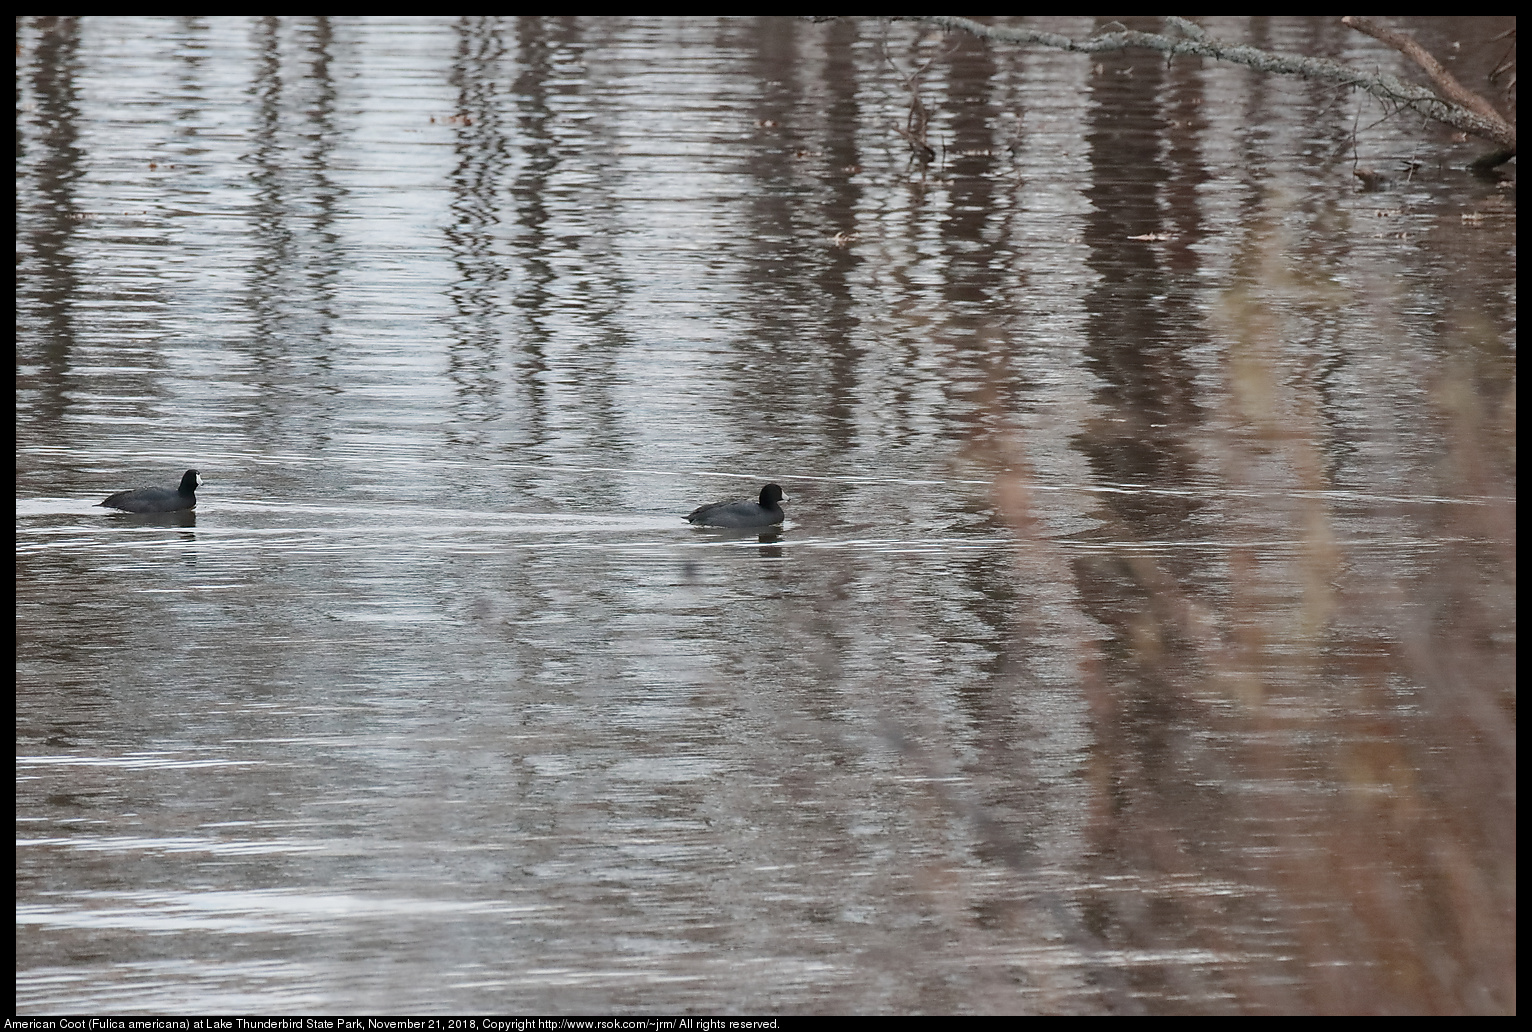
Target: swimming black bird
(747, 512)
(158, 499)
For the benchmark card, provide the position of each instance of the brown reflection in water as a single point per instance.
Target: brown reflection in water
(1304, 757)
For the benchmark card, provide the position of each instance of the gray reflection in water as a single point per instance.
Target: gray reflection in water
(1145, 585)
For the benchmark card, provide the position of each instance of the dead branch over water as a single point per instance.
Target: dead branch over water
(1453, 105)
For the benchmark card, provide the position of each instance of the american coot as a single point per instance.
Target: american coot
(747, 512)
(158, 499)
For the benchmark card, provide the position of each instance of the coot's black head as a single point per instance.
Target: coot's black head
(190, 481)
(771, 494)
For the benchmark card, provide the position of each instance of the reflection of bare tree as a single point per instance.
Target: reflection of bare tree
(1450, 103)
(1308, 774)
(914, 131)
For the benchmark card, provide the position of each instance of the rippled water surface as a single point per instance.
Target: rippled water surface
(1140, 636)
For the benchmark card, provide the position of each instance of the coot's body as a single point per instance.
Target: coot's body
(746, 512)
(158, 499)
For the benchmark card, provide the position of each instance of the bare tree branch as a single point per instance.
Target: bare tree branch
(1446, 83)
(1479, 119)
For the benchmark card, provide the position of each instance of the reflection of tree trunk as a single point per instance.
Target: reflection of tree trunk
(1452, 103)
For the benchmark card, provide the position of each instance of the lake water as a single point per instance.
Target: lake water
(1140, 637)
